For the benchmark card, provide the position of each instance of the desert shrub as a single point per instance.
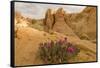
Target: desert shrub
(33, 21)
(36, 24)
(84, 36)
(57, 52)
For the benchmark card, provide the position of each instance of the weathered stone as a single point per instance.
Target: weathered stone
(83, 23)
(60, 23)
(48, 21)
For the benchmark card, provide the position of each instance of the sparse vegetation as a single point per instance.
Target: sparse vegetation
(36, 24)
(34, 21)
(57, 52)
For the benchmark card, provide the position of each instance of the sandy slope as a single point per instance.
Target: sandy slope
(26, 46)
(27, 43)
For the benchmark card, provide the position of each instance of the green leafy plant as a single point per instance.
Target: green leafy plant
(57, 52)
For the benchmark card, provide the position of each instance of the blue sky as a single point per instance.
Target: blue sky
(37, 10)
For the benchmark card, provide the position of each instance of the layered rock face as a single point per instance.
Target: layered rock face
(60, 23)
(57, 22)
(91, 22)
(20, 21)
(82, 24)
(48, 21)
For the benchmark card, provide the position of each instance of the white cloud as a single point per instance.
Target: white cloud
(37, 10)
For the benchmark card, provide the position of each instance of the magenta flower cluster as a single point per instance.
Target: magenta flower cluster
(57, 51)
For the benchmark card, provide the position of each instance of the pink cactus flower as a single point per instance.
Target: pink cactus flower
(70, 49)
(49, 44)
